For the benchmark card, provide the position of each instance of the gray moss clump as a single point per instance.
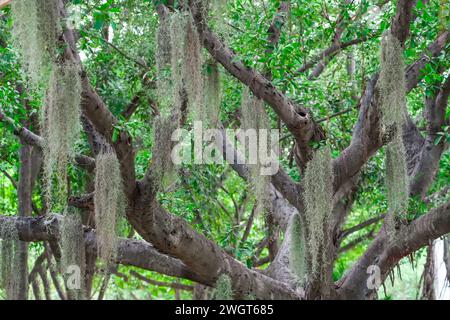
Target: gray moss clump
(61, 126)
(392, 85)
(217, 9)
(212, 96)
(177, 32)
(223, 289)
(186, 63)
(24, 31)
(254, 116)
(318, 197)
(163, 64)
(9, 260)
(396, 180)
(295, 240)
(248, 121)
(35, 33)
(109, 205)
(73, 250)
(162, 168)
(193, 62)
(392, 82)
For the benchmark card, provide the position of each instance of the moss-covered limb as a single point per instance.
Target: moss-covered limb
(135, 253)
(298, 121)
(318, 197)
(386, 254)
(109, 202)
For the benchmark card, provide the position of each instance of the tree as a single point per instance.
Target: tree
(311, 70)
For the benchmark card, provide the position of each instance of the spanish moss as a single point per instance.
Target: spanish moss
(61, 127)
(163, 64)
(254, 117)
(212, 96)
(223, 289)
(318, 196)
(393, 108)
(186, 63)
(73, 254)
(35, 33)
(162, 165)
(109, 206)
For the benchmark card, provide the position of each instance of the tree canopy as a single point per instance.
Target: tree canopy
(126, 135)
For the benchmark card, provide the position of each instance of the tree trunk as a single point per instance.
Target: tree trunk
(24, 197)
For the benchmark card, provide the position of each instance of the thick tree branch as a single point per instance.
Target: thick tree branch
(385, 254)
(402, 21)
(366, 137)
(172, 235)
(130, 252)
(296, 118)
(33, 139)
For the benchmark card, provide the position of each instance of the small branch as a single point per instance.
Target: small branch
(121, 52)
(85, 201)
(26, 135)
(4, 3)
(173, 285)
(261, 261)
(360, 226)
(104, 287)
(53, 274)
(13, 182)
(355, 242)
(42, 271)
(248, 228)
(331, 51)
(437, 194)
